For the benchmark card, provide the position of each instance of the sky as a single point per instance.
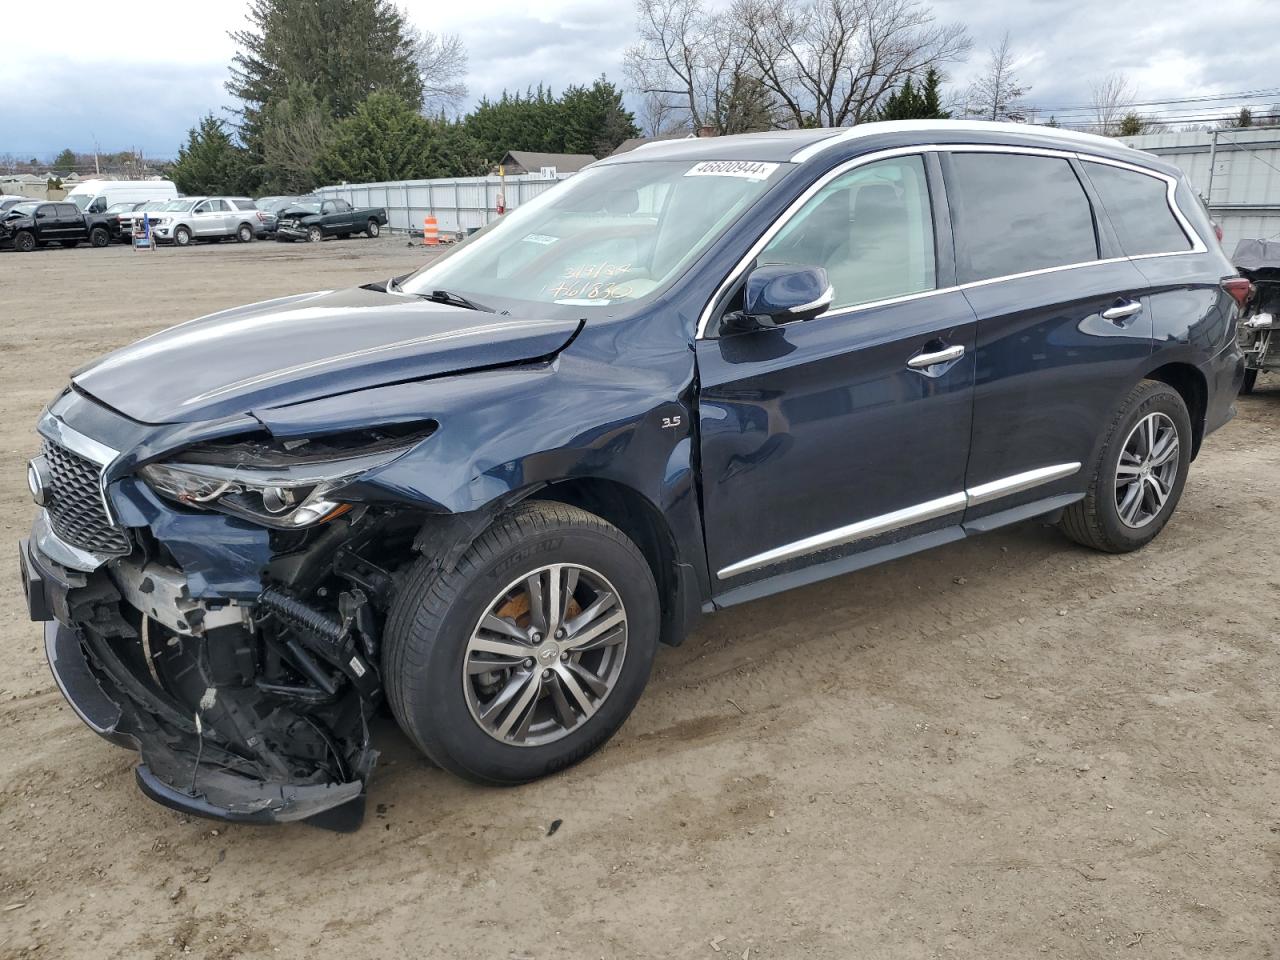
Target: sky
(139, 73)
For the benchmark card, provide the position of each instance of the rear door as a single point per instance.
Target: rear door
(830, 437)
(71, 222)
(1063, 321)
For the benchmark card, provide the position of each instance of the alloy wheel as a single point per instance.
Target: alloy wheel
(545, 655)
(1147, 471)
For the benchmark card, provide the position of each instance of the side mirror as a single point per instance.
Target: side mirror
(780, 294)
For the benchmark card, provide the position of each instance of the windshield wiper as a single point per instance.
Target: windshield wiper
(454, 300)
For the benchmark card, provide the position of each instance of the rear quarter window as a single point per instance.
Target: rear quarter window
(1015, 213)
(1138, 205)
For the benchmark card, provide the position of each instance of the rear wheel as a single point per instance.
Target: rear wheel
(99, 237)
(1138, 476)
(24, 241)
(372, 228)
(530, 653)
(245, 233)
(314, 234)
(1250, 379)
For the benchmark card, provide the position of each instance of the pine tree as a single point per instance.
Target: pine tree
(210, 162)
(910, 102)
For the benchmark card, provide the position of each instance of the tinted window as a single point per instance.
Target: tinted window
(1014, 213)
(240, 203)
(871, 229)
(341, 206)
(1139, 209)
(68, 211)
(46, 212)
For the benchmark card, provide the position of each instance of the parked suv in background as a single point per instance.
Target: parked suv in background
(32, 224)
(188, 219)
(690, 376)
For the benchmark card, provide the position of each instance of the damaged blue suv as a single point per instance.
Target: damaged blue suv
(695, 374)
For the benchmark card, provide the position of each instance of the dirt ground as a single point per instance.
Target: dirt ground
(1009, 747)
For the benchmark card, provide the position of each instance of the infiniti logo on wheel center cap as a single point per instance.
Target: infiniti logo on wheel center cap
(548, 652)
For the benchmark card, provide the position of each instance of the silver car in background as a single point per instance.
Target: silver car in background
(188, 219)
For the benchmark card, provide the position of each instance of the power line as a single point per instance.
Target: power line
(1207, 98)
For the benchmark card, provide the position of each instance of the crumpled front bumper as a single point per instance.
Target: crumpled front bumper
(175, 768)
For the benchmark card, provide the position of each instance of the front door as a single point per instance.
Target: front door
(843, 433)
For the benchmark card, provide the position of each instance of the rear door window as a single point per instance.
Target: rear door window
(1138, 205)
(1015, 213)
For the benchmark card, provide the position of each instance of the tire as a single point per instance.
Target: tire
(314, 234)
(182, 236)
(99, 237)
(1250, 379)
(24, 241)
(372, 228)
(436, 618)
(244, 234)
(1099, 520)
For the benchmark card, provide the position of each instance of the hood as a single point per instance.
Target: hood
(306, 347)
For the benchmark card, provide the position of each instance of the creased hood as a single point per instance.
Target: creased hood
(304, 347)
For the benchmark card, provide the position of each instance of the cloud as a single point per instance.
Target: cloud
(142, 75)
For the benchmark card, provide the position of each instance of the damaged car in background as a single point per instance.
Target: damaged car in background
(482, 494)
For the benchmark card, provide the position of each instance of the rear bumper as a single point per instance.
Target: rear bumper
(184, 763)
(1223, 375)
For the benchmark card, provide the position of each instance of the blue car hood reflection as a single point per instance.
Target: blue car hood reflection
(305, 347)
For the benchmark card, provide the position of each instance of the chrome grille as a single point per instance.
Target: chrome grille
(76, 511)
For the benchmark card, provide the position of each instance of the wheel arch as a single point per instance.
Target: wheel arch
(1192, 386)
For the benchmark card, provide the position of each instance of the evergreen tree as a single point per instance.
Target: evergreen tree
(210, 162)
(66, 160)
(1131, 124)
(747, 107)
(341, 50)
(910, 102)
(593, 120)
(387, 139)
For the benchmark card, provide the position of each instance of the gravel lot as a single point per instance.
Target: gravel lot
(1006, 748)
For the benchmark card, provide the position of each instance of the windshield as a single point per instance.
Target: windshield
(301, 206)
(81, 200)
(601, 240)
(274, 203)
(177, 206)
(25, 209)
(119, 207)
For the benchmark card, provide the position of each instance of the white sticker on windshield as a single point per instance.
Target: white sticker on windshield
(541, 238)
(746, 169)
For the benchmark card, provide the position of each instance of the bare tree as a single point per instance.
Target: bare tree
(442, 64)
(997, 94)
(834, 62)
(1112, 100)
(822, 62)
(687, 58)
(299, 132)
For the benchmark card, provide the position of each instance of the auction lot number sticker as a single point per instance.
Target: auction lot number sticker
(746, 169)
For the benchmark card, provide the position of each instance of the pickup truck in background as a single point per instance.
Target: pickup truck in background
(36, 223)
(314, 218)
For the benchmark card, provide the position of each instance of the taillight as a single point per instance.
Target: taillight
(1217, 231)
(262, 218)
(1239, 288)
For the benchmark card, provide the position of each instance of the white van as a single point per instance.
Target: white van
(94, 196)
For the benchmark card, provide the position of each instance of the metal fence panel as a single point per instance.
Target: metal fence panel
(458, 204)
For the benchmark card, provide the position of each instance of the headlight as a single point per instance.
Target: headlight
(281, 485)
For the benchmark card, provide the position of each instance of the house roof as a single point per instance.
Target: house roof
(563, 162)
(632, 142)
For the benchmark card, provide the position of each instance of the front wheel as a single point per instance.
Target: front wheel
(24, 242)
(1138, 476)
(315, 234)
(529, 654)
(99, 237)
(182, 237)
(372, 229)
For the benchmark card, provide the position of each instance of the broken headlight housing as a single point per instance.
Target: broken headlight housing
(280, 484)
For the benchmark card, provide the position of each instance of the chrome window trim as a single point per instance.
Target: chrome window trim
(1198, 245)
(92, 450)
(897, 519)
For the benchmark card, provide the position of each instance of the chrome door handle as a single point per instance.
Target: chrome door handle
(1122, 311)
(922, 360)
